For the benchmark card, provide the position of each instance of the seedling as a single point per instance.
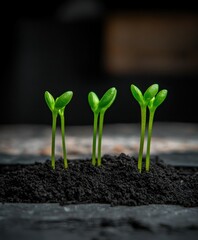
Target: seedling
(57, 107)
(99, 108)
(143, 100)
(154, 103)
(93, 102)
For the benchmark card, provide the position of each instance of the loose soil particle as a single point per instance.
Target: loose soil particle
(116, 182)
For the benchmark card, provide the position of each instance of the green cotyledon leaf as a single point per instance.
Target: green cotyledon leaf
(160, 97)
(150, 92)
(137, 94)
(63, 100)
(49, 100)
(107, 99)
(93, 101)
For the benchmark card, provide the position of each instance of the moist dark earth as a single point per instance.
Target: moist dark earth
(116, 182)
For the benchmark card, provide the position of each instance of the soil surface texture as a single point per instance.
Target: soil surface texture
(116, 182)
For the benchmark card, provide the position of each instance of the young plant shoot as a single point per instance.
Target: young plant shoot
(57, 107)
(93, 102)
(99, 108)
(143, 101)
(154, 103)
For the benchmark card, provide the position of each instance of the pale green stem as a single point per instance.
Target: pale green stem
(100, 137)
(54, 117)
(94, 139)
(150, 127)
(143, 127)
(63, 140)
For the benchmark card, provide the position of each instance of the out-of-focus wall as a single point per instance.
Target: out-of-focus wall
(93, 45)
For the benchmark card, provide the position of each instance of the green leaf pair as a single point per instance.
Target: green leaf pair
(151, 99)
(57, 107)
(106, 101)
(60, 102)
(99, 108)
(143, 100)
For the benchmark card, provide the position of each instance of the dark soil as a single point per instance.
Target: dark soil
(116, 182)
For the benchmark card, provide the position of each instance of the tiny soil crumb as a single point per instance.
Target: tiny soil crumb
(116, 182)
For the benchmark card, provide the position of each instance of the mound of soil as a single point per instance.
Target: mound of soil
(116, 182)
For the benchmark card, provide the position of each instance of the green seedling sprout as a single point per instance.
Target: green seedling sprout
(99, 108)
(93, 102)
(57, 107)
(154, 103)
(143, 101)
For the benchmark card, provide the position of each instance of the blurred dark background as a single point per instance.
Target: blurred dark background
(90, 45)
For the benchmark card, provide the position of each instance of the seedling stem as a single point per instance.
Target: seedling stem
(62, 118)
(100, 137)
(143, 127)
(54, 117)
(150, 127)
(94, 139)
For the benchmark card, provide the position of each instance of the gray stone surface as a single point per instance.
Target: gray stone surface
(97, 221)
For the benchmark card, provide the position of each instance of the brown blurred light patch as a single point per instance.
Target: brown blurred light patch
(153, 43)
